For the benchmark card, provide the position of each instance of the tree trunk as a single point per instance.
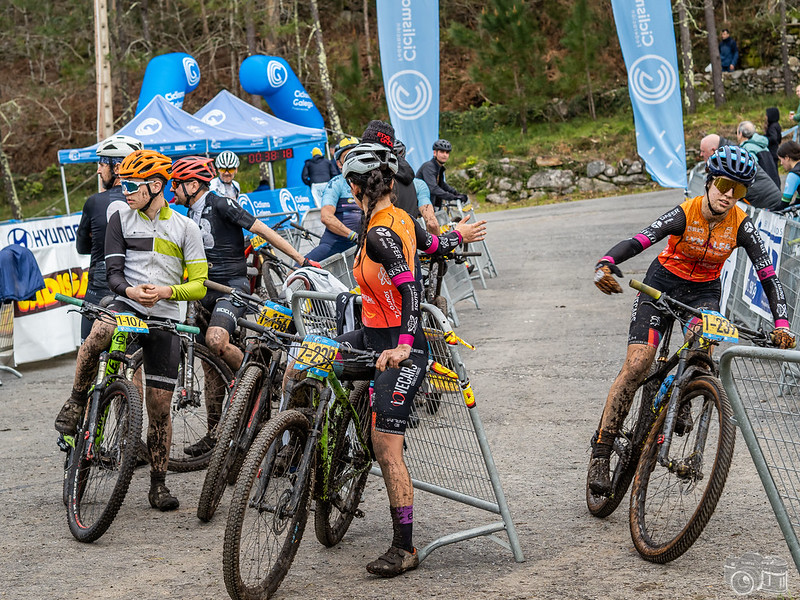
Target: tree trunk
(787, 74)
(232, 42)
(145, 23)
(589, 95)
(250, 34)
(324, 77)
(8, 184)
(204, 19)
(713, 51)
(687, 60)
(366, 36)
(297, 41)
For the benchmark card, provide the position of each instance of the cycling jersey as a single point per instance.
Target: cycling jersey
(90, 238)
(139, 251)
(226, 190)
(338, 194)
(221, 221)
(696, 252)
(791, 184)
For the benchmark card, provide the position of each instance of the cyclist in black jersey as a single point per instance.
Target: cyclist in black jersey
(391, 296)
(221, 221)
(90, 238)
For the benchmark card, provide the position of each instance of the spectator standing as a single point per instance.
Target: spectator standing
(432, 173)
(265, 181)
(758, 147)
(227, 164)
(317, 172)
(795, 115)
(773, 132)
(789, 155)
(728, 51)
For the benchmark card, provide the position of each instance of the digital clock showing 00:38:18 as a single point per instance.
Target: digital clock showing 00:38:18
(269, 155)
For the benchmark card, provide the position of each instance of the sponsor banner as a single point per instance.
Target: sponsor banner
(42, 327)
(170, 75)
(297, 199)
(647, 39)
(408, 33)
(770, 228)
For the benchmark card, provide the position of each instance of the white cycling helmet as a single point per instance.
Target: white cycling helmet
(118, 146)
(227, 160)
(366, 157)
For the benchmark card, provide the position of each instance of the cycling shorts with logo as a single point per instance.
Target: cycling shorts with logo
(223, 312)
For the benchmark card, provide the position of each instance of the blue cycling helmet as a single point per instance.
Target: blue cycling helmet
(732, 162)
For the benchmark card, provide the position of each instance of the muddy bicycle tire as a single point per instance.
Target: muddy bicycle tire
(669, 511)
(348, 474)
(256, 524)
(272, 278)
(98, 485)
(627, 449)
(226, 451)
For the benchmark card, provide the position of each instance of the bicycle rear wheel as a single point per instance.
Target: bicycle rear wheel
(347, 476)
(671, 506)
(627, 449)
(227, 451)
(191, 417)
(272, 278)
(98, 484)
(263, 533)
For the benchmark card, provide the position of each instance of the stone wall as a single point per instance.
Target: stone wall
(755, 82)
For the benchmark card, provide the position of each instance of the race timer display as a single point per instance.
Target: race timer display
(269, 156)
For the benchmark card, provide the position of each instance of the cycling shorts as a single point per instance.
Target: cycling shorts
(648, 324)
(223, 312)
(161, 351)
(393, 390)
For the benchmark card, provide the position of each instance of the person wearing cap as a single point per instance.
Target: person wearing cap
(148, 249)
(339, 213)
(432, 173)
(221, 221)
(90, 237)
(317, 172)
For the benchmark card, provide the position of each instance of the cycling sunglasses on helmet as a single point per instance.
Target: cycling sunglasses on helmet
(131, 187)
(724, 185)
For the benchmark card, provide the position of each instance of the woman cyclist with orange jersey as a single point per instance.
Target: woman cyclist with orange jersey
(391, 296)
(703, 232)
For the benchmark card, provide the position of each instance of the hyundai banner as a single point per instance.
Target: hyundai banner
(647, 39)
(408, 33)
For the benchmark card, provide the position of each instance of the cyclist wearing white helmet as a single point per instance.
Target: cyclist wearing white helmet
(90, 238)
(227, 164)
(432, 173)
(340, 214)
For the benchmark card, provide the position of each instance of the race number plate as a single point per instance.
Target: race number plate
(131, 323)
(717, 327)
(258, 242)
(316, 355)
(275, 316)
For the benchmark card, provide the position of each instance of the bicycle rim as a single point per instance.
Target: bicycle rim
(198, 414)
(348, 473)
(670, 508)
(626, 450)
(99, 484)
(272, 278)
(261, 537)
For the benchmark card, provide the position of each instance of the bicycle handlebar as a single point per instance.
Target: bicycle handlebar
(218, 287)
(69, 300)
(304, 230)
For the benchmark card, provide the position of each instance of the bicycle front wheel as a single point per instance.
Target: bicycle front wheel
(272, 278)
(265, 523)
(343, 481)
(100, 475)
(670, 505)
(627, 449)
(227, 451)
(196, 408)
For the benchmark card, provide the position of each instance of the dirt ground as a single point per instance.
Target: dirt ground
(548, 346)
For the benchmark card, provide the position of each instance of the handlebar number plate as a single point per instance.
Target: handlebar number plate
(717, 327)
(275, 316)
(316, 355)
(131, 323)
(258, 242)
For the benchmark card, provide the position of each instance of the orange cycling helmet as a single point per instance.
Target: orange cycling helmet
(193, 167)
(143, 164)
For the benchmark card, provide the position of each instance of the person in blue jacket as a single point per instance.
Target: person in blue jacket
(728, 51)
(317, 172)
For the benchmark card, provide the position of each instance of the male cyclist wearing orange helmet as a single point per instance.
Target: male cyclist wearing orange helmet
(147, 250)
(221, 221)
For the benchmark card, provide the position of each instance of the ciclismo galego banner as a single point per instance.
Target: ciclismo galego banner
(408, 33)
(647, 39)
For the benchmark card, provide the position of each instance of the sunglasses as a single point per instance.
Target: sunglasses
(131, 187)
(725, 185)
(229, 171)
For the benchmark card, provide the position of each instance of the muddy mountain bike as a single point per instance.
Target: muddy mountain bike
(316, 447)
(677, 442)
(271, 270)
(102, 453)
(256, 388)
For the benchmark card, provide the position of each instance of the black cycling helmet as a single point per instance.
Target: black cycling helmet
(732, 162)
(399, 149)
(442, 145)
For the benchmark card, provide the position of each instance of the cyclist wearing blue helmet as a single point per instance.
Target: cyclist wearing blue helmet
(703, 232)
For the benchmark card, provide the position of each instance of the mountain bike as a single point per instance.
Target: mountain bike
(677, 445)
(316, 447)
(433, 272)
(256, 388)
(272, 270)
(102, 453)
